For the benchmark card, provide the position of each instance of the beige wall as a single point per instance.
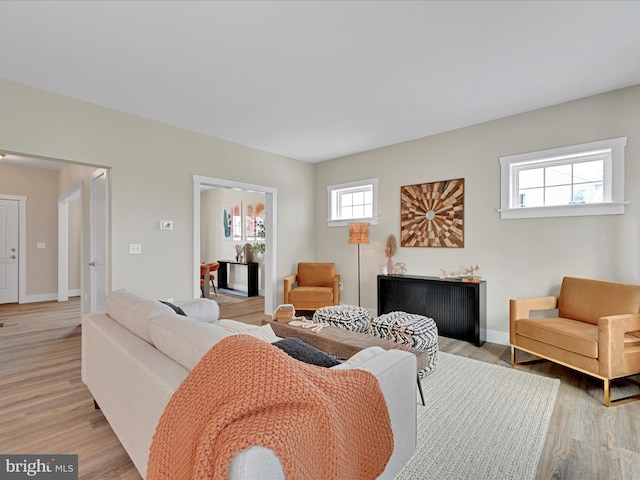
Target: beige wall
(517, 257)
(41, 189)
(151, 180)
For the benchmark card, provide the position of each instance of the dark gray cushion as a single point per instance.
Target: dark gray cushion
(304, 352)
(173, 307)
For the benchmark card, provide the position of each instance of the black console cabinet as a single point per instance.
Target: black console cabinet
(458, 308)
(252, 276)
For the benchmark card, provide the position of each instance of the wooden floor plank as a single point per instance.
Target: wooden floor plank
(45, 407)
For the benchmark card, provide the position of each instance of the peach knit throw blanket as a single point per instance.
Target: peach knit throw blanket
(322, 424)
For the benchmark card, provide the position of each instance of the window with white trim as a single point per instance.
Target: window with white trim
(354, 201)
(586, 179)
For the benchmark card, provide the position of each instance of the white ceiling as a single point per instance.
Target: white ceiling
(320, 80)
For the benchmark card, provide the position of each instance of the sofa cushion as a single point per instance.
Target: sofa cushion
(202, 309)
(572, 335)
(264, 332)
(317, 294)
(589, 300)
(296, 348)
(184, 339)
(134, 312)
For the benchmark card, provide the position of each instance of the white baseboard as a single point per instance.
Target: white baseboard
(44, 297)
(500, 338)
(47, 297)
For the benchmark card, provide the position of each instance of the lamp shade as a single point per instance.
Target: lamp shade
(358, 233)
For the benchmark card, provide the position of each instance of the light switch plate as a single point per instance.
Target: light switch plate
(166, 224)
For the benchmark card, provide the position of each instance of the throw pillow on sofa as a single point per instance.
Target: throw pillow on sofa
(264, 332)
(203, 309)
(304, 352)
(173, 307)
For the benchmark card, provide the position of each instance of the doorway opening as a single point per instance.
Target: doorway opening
(70, 244)
(64, 183)
(201, 183)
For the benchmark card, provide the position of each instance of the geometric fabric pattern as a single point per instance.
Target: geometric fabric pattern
(409, 329)
(349, 317)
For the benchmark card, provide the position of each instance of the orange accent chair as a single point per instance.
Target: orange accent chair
(204, 270)
(596, 330)
(317, 285)
(212, 268)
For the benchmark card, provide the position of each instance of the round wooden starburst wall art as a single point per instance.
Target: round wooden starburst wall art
(432, 214)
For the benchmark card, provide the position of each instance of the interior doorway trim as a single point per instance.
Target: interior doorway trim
(63, 241)
(270, 257)
(22, 244)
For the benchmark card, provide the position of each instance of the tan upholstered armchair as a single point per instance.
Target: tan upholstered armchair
(596, 331)
(317, 286)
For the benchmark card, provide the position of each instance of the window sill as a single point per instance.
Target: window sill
(563, 211)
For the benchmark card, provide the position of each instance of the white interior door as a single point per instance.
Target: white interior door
(99, 240)
(9, 253)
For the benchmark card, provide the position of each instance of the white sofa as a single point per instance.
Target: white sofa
(137, 353)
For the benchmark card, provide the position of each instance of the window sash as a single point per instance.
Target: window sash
(547, 186)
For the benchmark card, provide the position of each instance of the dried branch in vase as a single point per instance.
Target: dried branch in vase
(392, 245)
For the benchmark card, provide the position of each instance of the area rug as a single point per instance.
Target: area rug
(481, 421)
(223, 299)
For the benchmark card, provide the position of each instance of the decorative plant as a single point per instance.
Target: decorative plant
(259, 247)
(390, 251)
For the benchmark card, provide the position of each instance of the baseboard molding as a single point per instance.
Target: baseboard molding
(47, 297)
(500, 338)
(44, 297)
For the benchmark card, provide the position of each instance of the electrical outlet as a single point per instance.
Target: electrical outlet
(40, 245)
(340, 286)
(135, 248)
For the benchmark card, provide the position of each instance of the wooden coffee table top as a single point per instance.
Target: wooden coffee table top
(340, 342)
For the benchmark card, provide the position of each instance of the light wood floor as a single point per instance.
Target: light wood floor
(45, 407)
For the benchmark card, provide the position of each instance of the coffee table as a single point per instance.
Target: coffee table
(343, 344)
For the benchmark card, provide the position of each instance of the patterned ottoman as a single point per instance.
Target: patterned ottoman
(352, 318)
(409, 329)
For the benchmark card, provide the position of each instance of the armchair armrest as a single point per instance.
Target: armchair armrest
(611, 351)
(336, 290)
(522, 308)
(288, 284)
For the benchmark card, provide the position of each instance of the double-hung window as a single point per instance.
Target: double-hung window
(354, 201)
(586, 179)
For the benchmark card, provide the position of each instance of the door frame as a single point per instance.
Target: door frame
(92, 236)
(270, 256)
(22, 244)
(63, 241)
